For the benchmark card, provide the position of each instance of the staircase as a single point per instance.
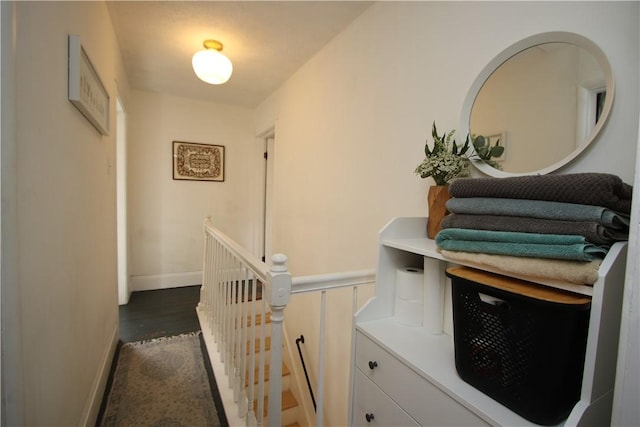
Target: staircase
(247, 350)
(290, 413)
(241, 312)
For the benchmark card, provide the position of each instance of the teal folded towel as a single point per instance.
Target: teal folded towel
(552, 246)
(591, 230)
(541, 209)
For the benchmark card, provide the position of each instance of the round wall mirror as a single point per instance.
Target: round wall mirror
(544, 99)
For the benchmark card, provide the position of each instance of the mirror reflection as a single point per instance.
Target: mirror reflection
(543, 105)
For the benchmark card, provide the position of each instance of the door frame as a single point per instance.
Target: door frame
(124, 289)
(265, 194)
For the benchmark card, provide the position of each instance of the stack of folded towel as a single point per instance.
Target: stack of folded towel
(551, 226)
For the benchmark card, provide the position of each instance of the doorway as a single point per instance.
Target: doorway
(267, 197)
(591, 97)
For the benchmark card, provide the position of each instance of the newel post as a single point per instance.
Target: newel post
(278, 294)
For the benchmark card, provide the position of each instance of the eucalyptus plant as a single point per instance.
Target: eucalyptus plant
(485, 151)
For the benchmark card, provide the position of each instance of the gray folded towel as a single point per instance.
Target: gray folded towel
(598, 189)
(539, 209)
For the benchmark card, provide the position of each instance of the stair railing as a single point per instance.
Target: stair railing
(299, 340)
(323, 283)
(230, 275)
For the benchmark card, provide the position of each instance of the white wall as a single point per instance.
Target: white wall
(63, 323)
(352, 122)
(166, 215)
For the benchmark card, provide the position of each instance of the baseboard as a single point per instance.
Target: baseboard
(92, 405)
(165, 281)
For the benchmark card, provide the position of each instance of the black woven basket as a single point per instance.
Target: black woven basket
(526, 353)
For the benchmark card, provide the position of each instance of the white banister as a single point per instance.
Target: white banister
(233, 317)
(231, 310)
(321, 282)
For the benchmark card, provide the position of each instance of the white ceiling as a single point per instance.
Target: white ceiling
(267, 41)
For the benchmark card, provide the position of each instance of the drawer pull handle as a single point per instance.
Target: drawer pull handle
(369, 417)
(373, 364)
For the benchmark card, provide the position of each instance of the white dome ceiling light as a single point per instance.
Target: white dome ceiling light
(210, 65)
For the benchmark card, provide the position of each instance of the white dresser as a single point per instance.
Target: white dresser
(406, 376)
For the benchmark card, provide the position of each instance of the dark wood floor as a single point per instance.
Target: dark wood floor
(159, 313)
(162, 313)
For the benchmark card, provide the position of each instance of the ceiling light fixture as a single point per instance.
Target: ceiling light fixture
(210, 65)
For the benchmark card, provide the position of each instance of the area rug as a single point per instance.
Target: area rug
(161, 383)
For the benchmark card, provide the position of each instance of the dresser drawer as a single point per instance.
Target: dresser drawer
(374, 408)
(424, 402)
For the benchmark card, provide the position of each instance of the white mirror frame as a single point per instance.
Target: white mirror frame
(550, 37)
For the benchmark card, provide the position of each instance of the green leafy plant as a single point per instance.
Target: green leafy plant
(485, 151)
(446, 160)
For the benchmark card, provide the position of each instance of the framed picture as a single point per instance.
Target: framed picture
(86, 90)
(198, 162)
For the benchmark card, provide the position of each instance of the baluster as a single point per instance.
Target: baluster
(320, 401)
(244, 308)
(222, 305)
(207, 282)
(261, 333)
(223, 302)
(223, 312)
(252, 350)
(217, 319)
(210, 278)
(261, 363)
(202, 304)
(229, 318)
(238, 325)
(213, 291)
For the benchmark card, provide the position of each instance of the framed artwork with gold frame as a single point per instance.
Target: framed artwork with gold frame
(198, 162)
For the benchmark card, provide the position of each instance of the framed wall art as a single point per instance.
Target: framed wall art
(86, 90)
(198, 162)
